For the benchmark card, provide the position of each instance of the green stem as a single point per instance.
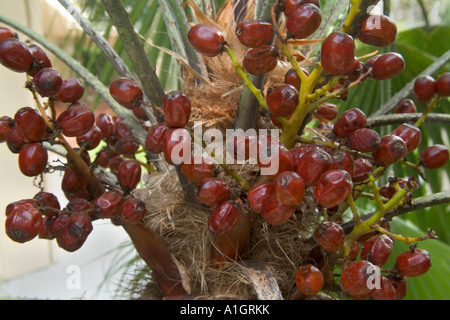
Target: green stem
(430, 107)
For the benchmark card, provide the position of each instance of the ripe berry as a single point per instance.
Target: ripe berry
(6, 124)
(283, 101)
(424, 88)
(6, 33)
(304, 21)
(77, 120)
(355, 276)
(330, 236)
(44, 233)
(413, 264)
(275, 213)
(177, 109)
(155, 136)
(410, 134)
(289, 188)
(10, 208)
(106, 124)
(261, 60)
(129, 173)
(177, 146)
(71, 91)
(108, 204)
(332, 188)
(354, 251)
(377, 249)
(338, 53)
(199, 169)
(385, 292)
(309, 280)
(361, 170)
(400, 285)
(443, 85)
(223, 218)
(363, 140)
(126, 92)
(313, 164)
(273, 157)
(133, 210)
(67, 242)
(79, 205)
(254, 33)
(91, 139)
(15, 55)
(387, 66)
(435, 156)
(14, 140)
(351, 120)
(74, 183)
(33, 159)
(406, 106)
(291, 5)
(212, 191)
(79, 225)
(57, 224)
(29, 124)
(354, 71)
(326, 112)
(390, 150)
(49, 203)
(291, 77)
(40, 60)
(23, 223)
(206, 39)
(258, 194)
(377, 30)
(48, 82)
(343, 161)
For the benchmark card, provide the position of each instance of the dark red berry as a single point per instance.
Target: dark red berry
(223, 218)
(47, 82)
(44, 233)
(79, 204)
(71, 91)
(390, 150)
(361, 170)
(129, 173)
(133, 210)
(212, 191)
(291, 77)
(304, 21)
(91, 139)
(258, 194)
(283, 101)
(309, 280)
(435, 156)
(14, 140)
(109, 204)
(155, 136)
(106, 124)
(6, 124)
(177, 146)
(406, 106)
(326, 112)
(386, 291)
(424, 89)
(354, 251)
(338, 53)
(387, 66)
(29, 124)
(332, 188)
(275, 213)
(6, 33)
(400, 285)
(40, 60)
(410, 134)
(313, 164)
(254, 33)
(291, 5)
(206, 39)
(353, 73)
(355, 277)
(23, 223)
(126, 92)
(377, 30)
(14, 205)
(77, 120)
(413, 264)
(289, 188)
(199, 169)
(300, 151)
(67, 242)
(377, 249)
(177, 109)
(443, 85)
(48, 202)
(33, 159)
(79, 225)
(74, 183)
(261, 60)
(363, 140)
(351, 120)
(343, 161)
(57, 224)
(330, 236)
(273, 157)
(15, 55)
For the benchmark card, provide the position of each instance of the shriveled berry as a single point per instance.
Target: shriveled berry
(313, 164)
(57, 224)
(406, 106)
(330, 236)
(71, 91)
(254, 33)
(435, 156)
(33, 159)
(332, 188)
(49, 203)
(10, 208)
(177, 109)
(133, 210)
(291, 5)
(413, 264)
(390, 150)
(40, 60)
(14, 140)
(23, 223)
(410, 134)
(304, 21)
(349, 121)
(387, 66)
(361, 170)
(108, 204)
(223, 218)
(261, 60)
(363, 140)
(44, 233)
(424, 88)
(129, 173)
(67, 242)
(400, 285)
(377, 30)
(199, 169)
(78, 205)
(386, 291)
(283, 101)
(74, 183)
(15, 55)
(106, 124)
(29, 124)
(212, 191)
(338, 53)
(6, 124)
(126, 92)
(300, 151)
(91, 139)
(155, 136)
(443, 85)
(377, 249)
(47, 82)
(79, 225)
(274, 212)
(77, 120)
(176, 146)
(326, 112)
(289, 188)
(343, 161)
(355, 277)
(206, 39)
(354, 251)
(309, 280)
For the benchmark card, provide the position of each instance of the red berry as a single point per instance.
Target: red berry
(78, 205)
(23, 223)
(14, 140)
(29, 124)
(300, 151)
(126, 92)
(377, 30)
(400, 285)
(44, 233)
(304, 21)
(424, 88)
(387, 66)
(40, 60)
(390, 150)
(155, 136)
(177, 109)
(443, 85)
(6, 124)
(377, 249)
(243, 147)
(6, 33)
(57, 224)
(435, 156)
(363, 140)
(206, 39)
(199, 169)
(406, 106)
(129, 173)
(355, 277)
(33, 159)
(91, 139)
(16, 204)
(361, 170)
(48, 82)
(332, 188)
(410, 134)
(74, 183)
(67, 242)
(177, 146)
(289, 188)
(258, 194)
(413, 264)
(77, 120)
(133, 210)
(313, 164)
(275, 213)
(223, 218)
(343, 161)
(109, 204)
(71, 91)
(291, 77)
(273, 157)
(283, 101)
(351, 120)
(79, 225)
(338, 53)
(354, 71)
(15, 55)
(292, 5)
(354, 251)
(106, 124)
(49, 203)
(330, 236)
(261, 60)
(212, 191)
(254, 33)
(385, 292)
(326, 112)
(309, 280)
